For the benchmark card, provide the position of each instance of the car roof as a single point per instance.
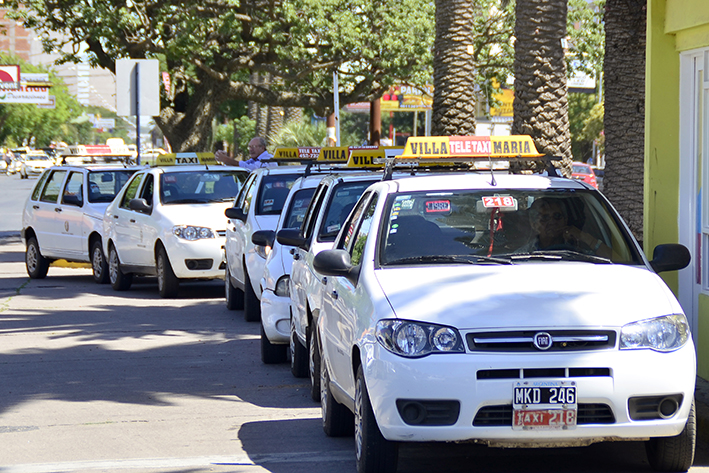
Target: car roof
(98, 167)
(196, 167)
(482, 181)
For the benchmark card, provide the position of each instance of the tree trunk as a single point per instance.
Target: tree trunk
(453, 69)
(624, 121)
(541, 107)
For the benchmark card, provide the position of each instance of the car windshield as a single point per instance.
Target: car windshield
(344, 197)
(298, 206)
(104, 185)
(274, 190)
(505, 226)
(578, 169)
(199, 187)
(41, 157)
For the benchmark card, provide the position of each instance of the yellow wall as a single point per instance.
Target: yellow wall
(661, 136)
(684, 14)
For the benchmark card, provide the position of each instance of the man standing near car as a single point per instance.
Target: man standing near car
(257, 153)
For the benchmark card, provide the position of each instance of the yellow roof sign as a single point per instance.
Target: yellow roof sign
(371, 157)
(304, 153)
(184, 159)
(466, 147)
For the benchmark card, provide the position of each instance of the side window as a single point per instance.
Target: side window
(248, 197)
(53, 188)
(39, 185)
(131, 191)
(357, 248)
(242, 194)
(73, 191)
(351, 223)
(313, 210)
(147, 192)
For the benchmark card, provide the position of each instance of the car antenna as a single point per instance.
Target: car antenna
(493, 182)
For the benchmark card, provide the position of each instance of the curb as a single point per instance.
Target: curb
(10, 237)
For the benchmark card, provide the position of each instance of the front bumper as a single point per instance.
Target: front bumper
(275, 316)
(199, 259)
(456, 377)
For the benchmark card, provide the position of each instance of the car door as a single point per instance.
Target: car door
(343, 299)
(71, 217)
(126, 231)
(147, 226)
(47, 212)
(236, 230)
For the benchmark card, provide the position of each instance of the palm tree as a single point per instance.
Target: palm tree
(541, 101)
(624, 123)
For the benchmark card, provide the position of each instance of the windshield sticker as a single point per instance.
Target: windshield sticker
(402, 197)
(268, 202)
(168, 178)
(500, 201)
(407, 204)
(333, 228)
(394, 228)
(438, 206)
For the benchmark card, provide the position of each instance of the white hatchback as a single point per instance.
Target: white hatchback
(63, 216)
(510, 311)
(169, 222)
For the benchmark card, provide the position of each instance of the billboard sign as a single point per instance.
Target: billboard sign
(9, 77)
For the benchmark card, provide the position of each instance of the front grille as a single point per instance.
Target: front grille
(526, 373)
(523, 340)
(501, 415)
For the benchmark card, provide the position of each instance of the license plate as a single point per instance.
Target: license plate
(544, 405)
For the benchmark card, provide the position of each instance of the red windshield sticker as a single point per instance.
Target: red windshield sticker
(169, 178)
(500, 201)
(438, 206)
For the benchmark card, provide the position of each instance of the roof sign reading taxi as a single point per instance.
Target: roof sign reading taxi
(453, 148)
(184, 159)
(303, 153)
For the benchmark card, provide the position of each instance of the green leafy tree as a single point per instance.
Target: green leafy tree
(212, 49)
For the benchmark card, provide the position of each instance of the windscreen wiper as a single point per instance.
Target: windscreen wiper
(444, 259)
(560, 255)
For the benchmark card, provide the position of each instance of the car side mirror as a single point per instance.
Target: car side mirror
(72, 199)
(336, 263)
(264, 238)
(140, 205)
(292, 237)
(670, 257)
(235, 213)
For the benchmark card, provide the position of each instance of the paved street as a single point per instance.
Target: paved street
(96, 380)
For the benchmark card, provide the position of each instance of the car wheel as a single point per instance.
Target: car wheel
(337, 420)
(37, 265)
(119, 280)
(314, 363)
(674, 453)
(168, 284)
(272, 354)
(234, 296)
(99, 266)
(298, 354)
(252, 306)
(373, 453)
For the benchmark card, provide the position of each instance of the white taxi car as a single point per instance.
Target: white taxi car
(168, 222)
(63, 216)
(508, 310)
(34, 164)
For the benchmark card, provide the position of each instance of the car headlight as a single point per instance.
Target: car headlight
(192, 233)
(283, 286)
(665, 333)
(416, 339)
(262, 251)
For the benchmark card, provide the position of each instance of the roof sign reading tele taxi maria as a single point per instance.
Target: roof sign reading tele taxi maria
(467, 147)
(184, 159)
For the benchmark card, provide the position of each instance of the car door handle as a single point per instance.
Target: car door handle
(132, 220)
(36, 207)
(115, 216)
(57, 209)
(334, 294)
(324, 280)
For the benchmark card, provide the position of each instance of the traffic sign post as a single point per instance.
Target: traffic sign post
(137, 90)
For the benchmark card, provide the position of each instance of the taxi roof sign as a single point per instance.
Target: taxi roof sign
(184, 159)
(372, 157)
(303, 153)
(454, 148)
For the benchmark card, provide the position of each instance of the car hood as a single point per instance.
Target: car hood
(535, 295)
(204, 215)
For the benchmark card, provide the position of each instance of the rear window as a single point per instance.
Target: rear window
(273, 193)
(578, 169)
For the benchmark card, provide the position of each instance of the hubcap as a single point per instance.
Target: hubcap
(358, 419)
(32, 257)
(113, 266)
(98, 262)
(161, 274)
(323, 393)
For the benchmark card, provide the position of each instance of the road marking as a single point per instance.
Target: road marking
(190, 462)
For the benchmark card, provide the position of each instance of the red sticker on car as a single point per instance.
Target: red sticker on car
(501, 201)
(438, 206)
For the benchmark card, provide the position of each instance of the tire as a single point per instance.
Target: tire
(234, 296)
(272, 354)
(373, 453)
(119, 280)
(674, 453)
(252, 306)
(36, 264)
(337, 420)
(99, 266)
(168, 284)
(298, 354)
(314, 363)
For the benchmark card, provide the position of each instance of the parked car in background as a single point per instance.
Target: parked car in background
(63, 216)
(583, 172)
(34, 164)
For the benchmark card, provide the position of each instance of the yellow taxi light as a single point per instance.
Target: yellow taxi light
(469, 147)
(303, 153)
(371, 157)
(183, 159)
